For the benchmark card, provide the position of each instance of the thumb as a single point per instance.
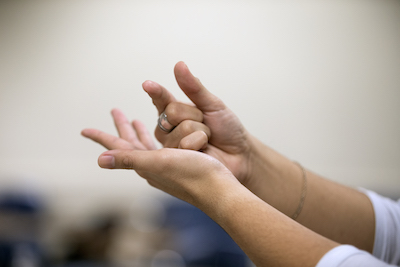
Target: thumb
(138, 160)
(192, 87)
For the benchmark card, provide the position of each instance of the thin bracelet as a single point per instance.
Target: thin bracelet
(303, 192)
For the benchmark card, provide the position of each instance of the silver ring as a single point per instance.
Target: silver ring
(164, 124)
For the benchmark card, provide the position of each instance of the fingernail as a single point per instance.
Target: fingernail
(107, 161)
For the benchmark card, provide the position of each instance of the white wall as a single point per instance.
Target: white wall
(317, 80)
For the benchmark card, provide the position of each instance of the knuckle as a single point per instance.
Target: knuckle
(187, 127)
(127, 163)
(114, 140)
(173, 111)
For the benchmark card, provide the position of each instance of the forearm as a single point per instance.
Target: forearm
(332, 210)
(266, 235)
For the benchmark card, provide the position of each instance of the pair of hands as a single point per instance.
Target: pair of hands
(207, 125)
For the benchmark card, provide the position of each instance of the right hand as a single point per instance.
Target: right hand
(229, 142)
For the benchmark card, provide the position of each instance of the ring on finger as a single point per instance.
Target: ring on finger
(164, 124)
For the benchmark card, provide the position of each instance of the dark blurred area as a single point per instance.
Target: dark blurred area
(21, 216)
(199, 240)
(166, 233)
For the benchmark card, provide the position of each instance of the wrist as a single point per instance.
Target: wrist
(218, 194)
(272, 176)
(253, 224)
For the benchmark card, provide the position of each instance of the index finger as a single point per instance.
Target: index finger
(161, 96)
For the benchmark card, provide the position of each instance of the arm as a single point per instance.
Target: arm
(335, 211)
(267, 236)
(332, 210)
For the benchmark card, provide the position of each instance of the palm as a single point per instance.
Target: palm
(228, 141)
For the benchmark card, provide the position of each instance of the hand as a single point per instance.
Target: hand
(189, 131)
(132, 135)
(228, 140)
(189, 175)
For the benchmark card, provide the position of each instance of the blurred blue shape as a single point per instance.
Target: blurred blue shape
(20, 203)
(19, 229)
(199, 240)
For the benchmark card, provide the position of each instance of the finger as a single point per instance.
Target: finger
(107, 140)
(161, 96)
(123, 126)
(192, 87)
(194, 141)
(141, 161)
(176, 113)
(143, 134)
(185, 128)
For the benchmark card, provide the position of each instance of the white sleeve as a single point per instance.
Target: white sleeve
(387, 239)
(387, 228)
(349, 256)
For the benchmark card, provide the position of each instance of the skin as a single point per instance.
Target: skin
(203, 181)
(234, 163)
(337, 212)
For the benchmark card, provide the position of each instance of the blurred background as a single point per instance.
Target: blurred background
(319, 81)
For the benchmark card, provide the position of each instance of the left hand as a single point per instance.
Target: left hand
(186, 174)
(189, 175)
